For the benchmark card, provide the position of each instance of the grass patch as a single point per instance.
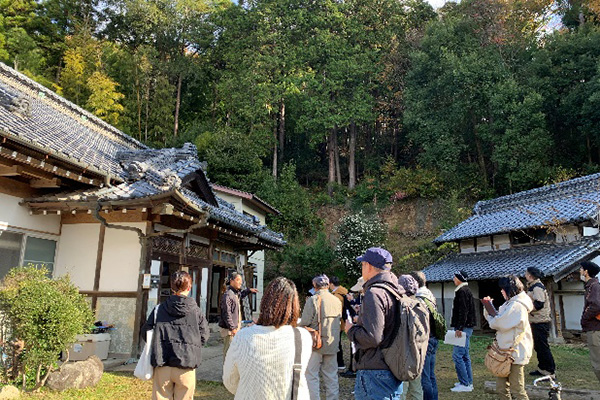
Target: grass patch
(573, 370)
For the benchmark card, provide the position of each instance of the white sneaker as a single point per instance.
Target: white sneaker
(462, 388)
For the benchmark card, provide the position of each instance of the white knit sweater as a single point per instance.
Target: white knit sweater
(259, 363)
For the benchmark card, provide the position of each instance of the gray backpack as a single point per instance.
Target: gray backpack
(405, 352)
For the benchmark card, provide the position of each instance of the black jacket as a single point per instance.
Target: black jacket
(181, 331)
(591, 306)
(376, 322)
(463, 309)
(230, 307)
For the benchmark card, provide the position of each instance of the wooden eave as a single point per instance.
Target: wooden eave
(52, 161)
(41, 166)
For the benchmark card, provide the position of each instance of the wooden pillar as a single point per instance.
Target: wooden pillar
(561, 307)
(142, 295)
(211, 248)
(555, 331)
(443, 302)
(96, 288)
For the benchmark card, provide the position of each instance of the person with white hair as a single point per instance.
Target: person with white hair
(323, 312)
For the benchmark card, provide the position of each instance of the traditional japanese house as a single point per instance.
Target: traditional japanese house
(553, 228)
(84, 199)
(254, 207)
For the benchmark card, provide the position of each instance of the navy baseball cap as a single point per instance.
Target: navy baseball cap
(377, 257)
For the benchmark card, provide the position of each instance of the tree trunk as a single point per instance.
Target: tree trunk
(147, 112)
(281, 127)
(588, 144)
(331, 158)
(336, 149)
(275, 148)
(177, 104)
(480, 155)
(351, 152)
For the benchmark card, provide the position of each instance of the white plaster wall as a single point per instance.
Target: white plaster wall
(484, 244)
(121, 259)
(258, 258)
(204, 291)
(18, 216)
(77, 253)
(467, 246)
(573, 305)
(501, 242)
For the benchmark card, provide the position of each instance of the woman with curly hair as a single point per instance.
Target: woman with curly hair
(259, 363)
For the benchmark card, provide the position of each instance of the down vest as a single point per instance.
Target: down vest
(181, 331)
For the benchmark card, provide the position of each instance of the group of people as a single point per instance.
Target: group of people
(276, 358)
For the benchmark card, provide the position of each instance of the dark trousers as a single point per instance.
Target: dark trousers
(540, 333)
(340, 354)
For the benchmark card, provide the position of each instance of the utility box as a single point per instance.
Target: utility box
(89, 345)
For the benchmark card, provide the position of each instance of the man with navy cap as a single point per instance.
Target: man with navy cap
(463, 321)
(374, 327)
(590, 323)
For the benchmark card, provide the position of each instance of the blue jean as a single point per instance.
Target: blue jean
(462, 360)
(428, 381)
(376, 384)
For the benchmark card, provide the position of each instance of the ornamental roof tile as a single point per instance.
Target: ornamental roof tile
(571, 201)
(556, 260)
(163, 172)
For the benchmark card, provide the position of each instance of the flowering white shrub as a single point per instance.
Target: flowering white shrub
(358, 232)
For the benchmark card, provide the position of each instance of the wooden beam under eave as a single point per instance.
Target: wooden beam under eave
(111, 217)
(45, 183)
(14, 170)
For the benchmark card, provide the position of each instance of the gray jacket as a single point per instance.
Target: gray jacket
(331, 313)
(376, 322)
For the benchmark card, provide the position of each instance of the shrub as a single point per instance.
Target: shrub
(298, 219)
(301, 262)
(357, 232)
(415, 182)
(44, 315)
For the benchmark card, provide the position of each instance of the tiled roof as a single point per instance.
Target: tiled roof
(556, 260)
(246, 195)
(571, 201)
(152, 173)
(44, 121)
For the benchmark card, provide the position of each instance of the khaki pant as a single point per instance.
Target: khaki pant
(327, 364)
(513, 387)
(412, 390)
(226, 343)
(170, 383)
(593, 339)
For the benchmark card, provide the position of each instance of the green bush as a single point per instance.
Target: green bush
(415, 182)
(298, 219)
(370, 193)
(44, 315)
(357, 232)
(301, 262)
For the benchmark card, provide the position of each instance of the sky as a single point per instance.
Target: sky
(436, 3)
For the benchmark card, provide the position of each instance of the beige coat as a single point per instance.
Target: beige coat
(539, 296)
(513, 319)
(331, 314)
